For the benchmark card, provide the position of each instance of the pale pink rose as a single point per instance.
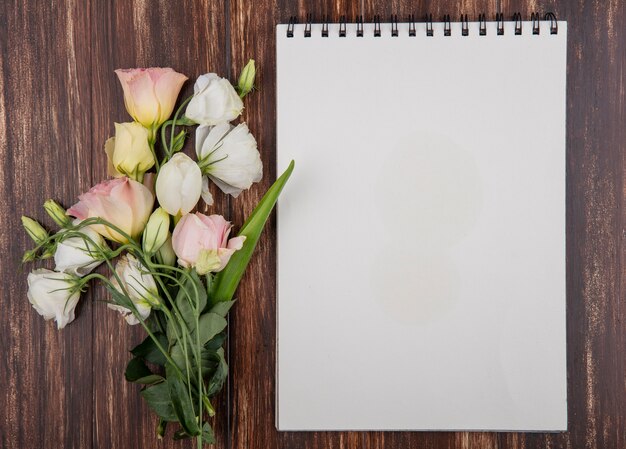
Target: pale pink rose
(123, 202)
(150, 94)
(201, 242)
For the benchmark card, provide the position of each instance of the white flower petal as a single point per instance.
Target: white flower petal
(179, 185)
(215, 101)
(213, 140)
(139, 286)
(78, 256)
(53, 295)
(202, 132)
(236, 163)
(206, 193)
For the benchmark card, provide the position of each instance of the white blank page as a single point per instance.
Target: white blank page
(421, 238)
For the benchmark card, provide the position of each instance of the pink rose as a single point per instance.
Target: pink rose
(202, 242)
(123, 202)
(150, 94)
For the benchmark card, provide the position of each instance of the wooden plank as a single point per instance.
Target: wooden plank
(253, 320)
(45, 137)
(189, 36)
(58, 100)
(596, 144)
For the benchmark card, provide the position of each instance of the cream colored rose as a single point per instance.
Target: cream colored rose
(129, 152)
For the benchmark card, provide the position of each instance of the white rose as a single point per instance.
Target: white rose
(78, 256)
(229, 156)
(214, 101)
(53, 295)
(138, 285)
(179, 184)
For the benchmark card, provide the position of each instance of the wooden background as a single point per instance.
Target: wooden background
(58, 100)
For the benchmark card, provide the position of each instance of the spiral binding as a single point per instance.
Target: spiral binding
(500, 24)
(428, 19)
(517, 17)
(412, 29)
(482, 28)
(464, 25)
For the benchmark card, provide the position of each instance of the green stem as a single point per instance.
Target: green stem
(154, 155)
(133, 247)
(141, 320)
(168, 149)
(180, 108)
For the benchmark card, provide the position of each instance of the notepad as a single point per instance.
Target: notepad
(421, 238)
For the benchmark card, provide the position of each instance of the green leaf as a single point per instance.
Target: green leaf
(217, 381)
(227, 280)
(210, 324)
(136, 369)
(207, 434)
(190, 310)
(210, 361)
(139, 373)
(170, 331)
(150, 380)
(178, 356)
(148, 350)
(183, 406)
(158, 399)
(216, 342)
(222, 308)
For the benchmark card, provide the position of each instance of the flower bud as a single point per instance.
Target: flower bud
(34, 230)
(166, 254)
(29, 256)
(246, 79)
(57, 213)
(157, 230)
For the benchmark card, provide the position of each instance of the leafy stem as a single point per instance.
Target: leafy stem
(169, 148)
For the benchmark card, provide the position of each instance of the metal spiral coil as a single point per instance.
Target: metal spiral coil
(535, 19)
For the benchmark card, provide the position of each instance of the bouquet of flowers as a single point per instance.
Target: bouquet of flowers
(172, 271)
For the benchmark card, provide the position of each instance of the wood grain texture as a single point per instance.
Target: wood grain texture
(46, 377)
(58, 100)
